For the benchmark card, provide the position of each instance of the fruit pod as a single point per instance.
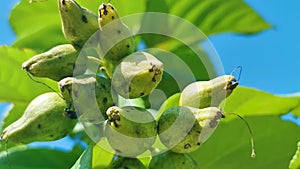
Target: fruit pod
(137, 75)
(57, 63)
(208, 93)
(125, 162)
(116, 39)
(171, 160)
(130, 130)
(78, 23)
(184, 129)
(88, 96)
(43, 120)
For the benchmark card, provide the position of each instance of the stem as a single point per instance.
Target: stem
(251, 134)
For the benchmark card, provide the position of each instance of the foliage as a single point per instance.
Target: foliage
(229, 146)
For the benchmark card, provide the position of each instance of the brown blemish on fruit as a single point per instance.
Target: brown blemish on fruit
(198, 144)
(112, 17)
(214, 121)
(119, 31)
(187, 146)
(104, 101)
(128, 46)
(142, 94)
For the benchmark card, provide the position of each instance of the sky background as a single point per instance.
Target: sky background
(270, 59)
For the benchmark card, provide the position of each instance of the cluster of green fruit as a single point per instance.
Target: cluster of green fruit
(181, 126)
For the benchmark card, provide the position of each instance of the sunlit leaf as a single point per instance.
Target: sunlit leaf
(22, 157)
(253, 102)
(85, 160)
(295, 162)
(101, 158)
(229, 147)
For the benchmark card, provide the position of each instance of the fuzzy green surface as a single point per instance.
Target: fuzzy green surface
(137, 75)
(126, 163)
(134, 132)
(78, 23)
(57, 63)
(203, 94)
(44, 120)
(171, 160)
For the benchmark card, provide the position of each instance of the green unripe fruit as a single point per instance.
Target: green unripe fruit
(78, 23)
(126, 163)
(137, 75)
(57, 63)
(88, 96)
(130, 130)
(184, 129)
(116, 40)
(208, 93)
(43, 120)
(171, 160)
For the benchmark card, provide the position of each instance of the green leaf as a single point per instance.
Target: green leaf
(295, 162)
(252, 102)
(41, 24)
(15, 85)
(229, 147)
(218, 16)
(85, 160)
(22, 157)
(101, 157)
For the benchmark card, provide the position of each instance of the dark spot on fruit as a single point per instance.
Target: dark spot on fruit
(137, 132)
(66, 10)
(39, 126)
(142, 94)
(116, 124)
(59, 57)
(198, 144)
(118, 151)
(103, 86)
(129, 90)
(153, 79)
(198, 131)
(187, 146)
(84, 19)
(128, 46)
(112, 8)
(119, 31)
(104, 101)
(112, 17)
(189, 133)
(63, 2)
